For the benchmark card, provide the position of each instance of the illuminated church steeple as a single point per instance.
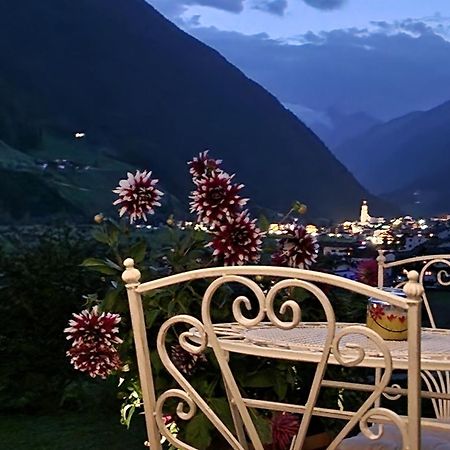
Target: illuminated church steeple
(364, 217)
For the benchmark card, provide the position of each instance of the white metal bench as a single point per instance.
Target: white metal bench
(259, 328)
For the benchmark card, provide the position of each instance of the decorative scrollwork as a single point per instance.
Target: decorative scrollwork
(355, 358)
(293, 306)
(188, 394)
(440, 273)
(393, 397)
(375, 414)
(438, 382)
(439, 279)
(181, 413)
(238, 303)
(228, 378)
(352, 359)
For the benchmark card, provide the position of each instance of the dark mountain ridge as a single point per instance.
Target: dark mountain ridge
(407, 159)
(403, 149)
(131, 80)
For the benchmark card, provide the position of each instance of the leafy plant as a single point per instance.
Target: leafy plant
(223, 234)
(40, 285)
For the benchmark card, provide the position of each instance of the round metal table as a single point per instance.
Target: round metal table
(306, 342)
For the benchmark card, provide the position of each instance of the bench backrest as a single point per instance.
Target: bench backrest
(254, 311)
(441, 263)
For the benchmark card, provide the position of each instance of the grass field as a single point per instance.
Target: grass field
(70, 431)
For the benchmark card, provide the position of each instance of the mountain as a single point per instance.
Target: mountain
(403, 156)
(341, 127)
(332, 125)
(64, 179)
(132, 81)
(384, 70)
(425, 196)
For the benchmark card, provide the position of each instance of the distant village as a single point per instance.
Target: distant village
(349, 243)
(345, 245)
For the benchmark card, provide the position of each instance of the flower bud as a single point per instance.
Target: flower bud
(99, 218)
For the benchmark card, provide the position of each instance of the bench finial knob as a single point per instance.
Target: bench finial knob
(413, 289)
(130, 274)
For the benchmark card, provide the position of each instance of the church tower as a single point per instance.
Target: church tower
(364, 217)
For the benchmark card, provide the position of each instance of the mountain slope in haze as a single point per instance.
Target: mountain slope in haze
(342, 127)
(131, 80)
(401, 154)
(425, 196)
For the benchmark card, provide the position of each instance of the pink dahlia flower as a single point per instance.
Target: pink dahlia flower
(237, 240)
(297, 249)
(368, 272)
(284, 427)
(138, 195)
(216, 198)
(94, 327)
(185, 361)
(203, 165)
(94, 358)
(95, 339)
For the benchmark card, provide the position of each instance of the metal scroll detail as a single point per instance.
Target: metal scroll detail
(264, 307)
(377, 414)
(237, 306)
(439, 277)
(188, 396)
(294, 307)
(393, 397)
(438, 382)
(353, 359)
(181, 413)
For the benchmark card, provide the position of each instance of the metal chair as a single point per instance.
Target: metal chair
(435, 381)
(269, 333)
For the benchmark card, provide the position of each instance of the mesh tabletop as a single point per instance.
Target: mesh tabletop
(311, 337)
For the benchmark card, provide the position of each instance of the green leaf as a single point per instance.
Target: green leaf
(127, 414)
(157, 365)
(113, 237)
(171, 308)
(112, 298)
(151, 316)
(138, 250)
(222, 409)
(113, 265)
(261, 379)
(280, 386)
(262, 425)
(101, 236)
(299, 294)
(198, 432)
(98, 265)
(263, 223)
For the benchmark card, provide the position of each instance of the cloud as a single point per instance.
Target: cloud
(277, 7)
(325, 4)
(174, 8)
(235, 6)
(385, 69)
